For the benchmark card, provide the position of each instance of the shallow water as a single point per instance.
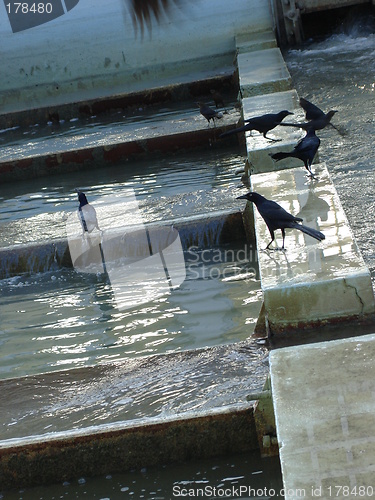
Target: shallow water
(214, 478)
(65, 319)
(116, 126)
(339, 73)
(336, 73)
(175, 187)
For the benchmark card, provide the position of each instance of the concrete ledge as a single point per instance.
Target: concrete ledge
(176, 92)
(247, 42)
(263, 72)
(323, 396)
(259, 148)
(310, 283)
(110, 449)
(108, 147)
(49, 255)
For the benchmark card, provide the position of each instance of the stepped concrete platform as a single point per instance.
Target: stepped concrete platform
(51, 431)
(310, 283)
(259, 148)
(43, 256)
(247, 42)
(107, 449)
(182, 88)
(106, 145)
(323, 396)
(262, 72)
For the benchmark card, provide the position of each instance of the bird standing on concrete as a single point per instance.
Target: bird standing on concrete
(262, 124)
(86, 214)
(277, 218)
(209, 113)
(217, 98)
(305, 150)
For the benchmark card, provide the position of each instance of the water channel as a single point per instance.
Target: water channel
(336, 72)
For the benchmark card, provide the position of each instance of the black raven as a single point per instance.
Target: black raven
(262, 124)
(209, 113)
(277, 218)
(317, 119)
(305, 150)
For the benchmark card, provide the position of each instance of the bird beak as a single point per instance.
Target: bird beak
(243, 197)
(290, 113)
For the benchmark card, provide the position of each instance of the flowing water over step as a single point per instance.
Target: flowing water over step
(180, 186)
(61, 318)
(326, 73)
(46, 137)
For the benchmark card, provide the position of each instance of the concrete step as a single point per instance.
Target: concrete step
(262, 72)
(67, 151)
(323, 396)
(310, 283)
(259, 148)
(53, 254)
(246, 42)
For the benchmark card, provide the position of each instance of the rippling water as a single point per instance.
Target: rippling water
(179, 186)
(339, 73)
(66, 319)
(335, 73)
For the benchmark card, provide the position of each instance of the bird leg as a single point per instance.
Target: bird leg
(310, 174)
(273, 239)
(283, 233)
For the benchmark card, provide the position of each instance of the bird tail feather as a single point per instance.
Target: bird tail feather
(286, 124)
(233, 131)
(280, 156)
(314, 233)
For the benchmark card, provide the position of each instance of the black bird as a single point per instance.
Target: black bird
(262, 124)
(277, 218)
(317, 119)
(87, 214)
(316, 124)
(312, 112)
(217, 98)
(305, 150)
(209, 113)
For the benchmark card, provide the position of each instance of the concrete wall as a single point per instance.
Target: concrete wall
(93, 50)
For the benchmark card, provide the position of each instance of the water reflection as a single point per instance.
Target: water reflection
(166, 190)
(338, 73)
(246, 471)
(70, 319)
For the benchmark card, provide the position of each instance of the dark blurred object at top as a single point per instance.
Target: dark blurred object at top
(141, 12)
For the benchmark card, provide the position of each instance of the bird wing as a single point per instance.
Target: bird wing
(274, 213)
(312, 112)
(307, 144)
(262, 121)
